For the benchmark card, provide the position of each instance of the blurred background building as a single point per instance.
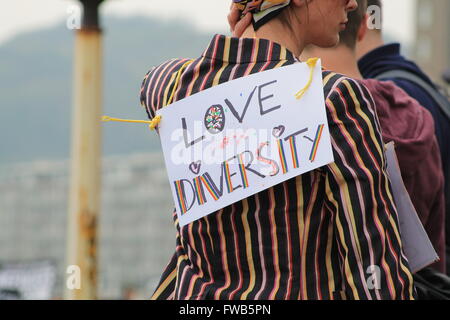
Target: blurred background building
(134, 240)
(136, 232)
(433, 37)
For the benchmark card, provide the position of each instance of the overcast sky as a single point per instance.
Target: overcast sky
(18, 16)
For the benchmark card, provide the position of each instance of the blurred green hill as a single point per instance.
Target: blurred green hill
(36, 85)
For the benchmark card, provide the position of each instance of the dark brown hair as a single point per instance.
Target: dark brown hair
(349, 36)
(285, 16)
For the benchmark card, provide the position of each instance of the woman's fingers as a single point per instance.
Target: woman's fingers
(242, 24)
(233, 17)
(238, 25)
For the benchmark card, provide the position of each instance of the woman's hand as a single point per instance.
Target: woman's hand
(237, 25)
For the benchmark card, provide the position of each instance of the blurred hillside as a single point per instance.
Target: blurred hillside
(36, 85)
(35, 112)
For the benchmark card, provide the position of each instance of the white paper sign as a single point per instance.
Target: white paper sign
(416, 244)
(234, 140)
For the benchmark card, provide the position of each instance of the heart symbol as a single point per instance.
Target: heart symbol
(278, 131)
(195, 167)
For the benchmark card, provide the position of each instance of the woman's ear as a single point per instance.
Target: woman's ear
(362, 31)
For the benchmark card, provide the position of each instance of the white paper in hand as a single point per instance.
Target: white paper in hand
(416, 244)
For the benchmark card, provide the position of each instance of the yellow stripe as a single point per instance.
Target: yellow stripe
(402, 265)
(226, 56)
(255, 52)
(198, 263)
(223, 249)
(282, 58)
(327, 78)
(157, 83)
(380, 151)
(177, 80)
(248, 242)
(283, 54)
(349, 206)
(347, 200)
(180, 259)
(209, 235)
(373, 136)
(166, 92)
(331, 284)
(307, 222)
(316, 146)
(164, 285)
(226, 50)
(361, 162)
(348, 272)
(301, 225)
(356, 154)
(195, 77)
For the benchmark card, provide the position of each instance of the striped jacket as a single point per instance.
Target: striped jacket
(328, 234)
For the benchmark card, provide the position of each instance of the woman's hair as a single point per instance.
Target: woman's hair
(285, 16)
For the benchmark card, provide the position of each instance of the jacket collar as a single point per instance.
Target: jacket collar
(246, 50)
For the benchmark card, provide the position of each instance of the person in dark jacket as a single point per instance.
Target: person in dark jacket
(375, 58)
(405, 122)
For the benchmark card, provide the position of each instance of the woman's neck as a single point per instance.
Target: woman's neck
(277, 32)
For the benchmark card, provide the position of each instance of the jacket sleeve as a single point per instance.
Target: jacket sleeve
(158, 86)
(166, 288)
(359, 196)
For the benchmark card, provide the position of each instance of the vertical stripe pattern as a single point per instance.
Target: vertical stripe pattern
(316, 236)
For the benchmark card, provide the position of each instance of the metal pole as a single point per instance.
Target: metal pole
(84, 198)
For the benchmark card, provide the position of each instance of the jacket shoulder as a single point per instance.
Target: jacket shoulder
(158, 84)
(335, 83)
